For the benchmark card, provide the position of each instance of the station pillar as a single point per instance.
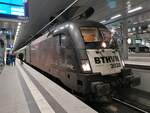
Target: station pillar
(125, 38)
(124, 29)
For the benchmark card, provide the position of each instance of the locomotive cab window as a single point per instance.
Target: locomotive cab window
(91, 37)
(95, 38)
(108, 39)
(90, 34)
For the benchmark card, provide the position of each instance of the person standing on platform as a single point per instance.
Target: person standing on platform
(13, 59)
(21, 56)
(8, 59)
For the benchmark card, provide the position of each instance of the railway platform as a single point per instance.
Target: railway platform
(140, 64)
(141, 61)
(24, 90)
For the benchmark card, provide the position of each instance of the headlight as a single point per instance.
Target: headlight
(104, 45)
(86, 65)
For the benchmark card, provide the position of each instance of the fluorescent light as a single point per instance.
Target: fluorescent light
(18, 27)
(19, 23)
(129, 40)
(116, 16)
(17, 32)
(135, 9)
(103, 21)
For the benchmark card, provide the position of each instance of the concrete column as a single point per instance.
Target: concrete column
(124, 29)
(125, 38)
(5, 46)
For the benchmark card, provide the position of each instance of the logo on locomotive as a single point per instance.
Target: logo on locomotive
(108, 59)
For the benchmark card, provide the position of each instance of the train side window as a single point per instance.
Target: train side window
(63, 40)
(57, 39)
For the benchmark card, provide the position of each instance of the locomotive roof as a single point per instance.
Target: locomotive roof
(82, 23)
(89, 23)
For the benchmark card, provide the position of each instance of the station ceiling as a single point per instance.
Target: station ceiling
(41, 11)
(39, 14)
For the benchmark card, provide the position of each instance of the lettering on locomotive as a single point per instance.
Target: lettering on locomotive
(106, 59)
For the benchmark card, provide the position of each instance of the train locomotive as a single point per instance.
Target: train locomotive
(83, 56)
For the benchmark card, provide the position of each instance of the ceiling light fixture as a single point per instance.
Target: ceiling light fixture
(19, 23)
(17, 33)
(18, 27)
(116, 16)
(135, 9)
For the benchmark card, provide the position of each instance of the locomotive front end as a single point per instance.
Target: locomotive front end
(104, 61)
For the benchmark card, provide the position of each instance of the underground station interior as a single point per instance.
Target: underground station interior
(75, 56)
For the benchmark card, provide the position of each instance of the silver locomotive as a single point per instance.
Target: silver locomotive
(83, 56)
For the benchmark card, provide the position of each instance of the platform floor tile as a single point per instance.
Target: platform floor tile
(12, 99)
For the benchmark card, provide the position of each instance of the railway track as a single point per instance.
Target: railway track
(128, 101)
(135, 97)
(137, 109)
(118, 106)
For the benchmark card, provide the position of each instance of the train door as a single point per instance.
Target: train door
(62, 47)
(67, 54)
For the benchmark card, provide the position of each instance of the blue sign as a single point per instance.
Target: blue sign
(14, 9)
(15, 2)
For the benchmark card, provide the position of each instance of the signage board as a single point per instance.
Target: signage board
(14, 9)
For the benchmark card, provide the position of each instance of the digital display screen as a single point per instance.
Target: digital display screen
(15, 9)
(15, 2)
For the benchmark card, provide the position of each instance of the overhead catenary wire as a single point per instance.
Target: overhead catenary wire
(47, 25)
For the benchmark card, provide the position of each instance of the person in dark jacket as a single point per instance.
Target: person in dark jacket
(21, 56)
(8, 59)
(13, 59)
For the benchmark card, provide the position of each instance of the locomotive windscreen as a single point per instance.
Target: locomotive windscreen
(95, 38)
